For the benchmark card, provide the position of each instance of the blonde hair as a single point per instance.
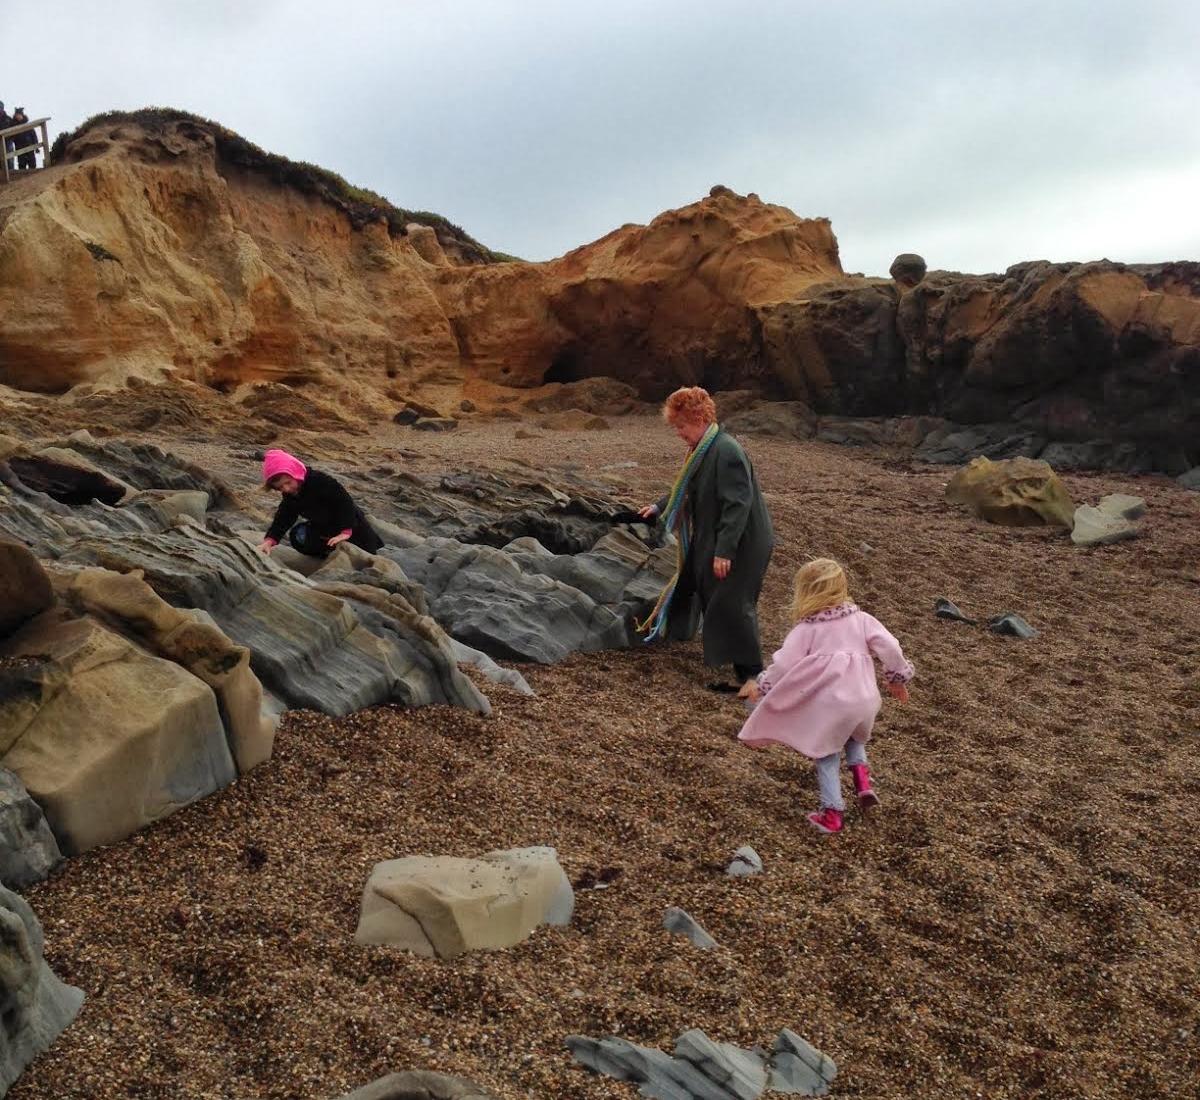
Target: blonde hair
(820, 585)
(690, 403)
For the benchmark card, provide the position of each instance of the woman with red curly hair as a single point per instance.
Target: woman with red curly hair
(717, 513)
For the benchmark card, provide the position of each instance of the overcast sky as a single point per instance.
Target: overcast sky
(976, 132)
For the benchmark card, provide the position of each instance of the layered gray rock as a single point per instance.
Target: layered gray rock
(35, 1007)
(28, 850)
(746, 861)
(1094, 527)
(703, 1069)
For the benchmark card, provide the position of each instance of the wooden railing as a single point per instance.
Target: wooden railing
(9, 156)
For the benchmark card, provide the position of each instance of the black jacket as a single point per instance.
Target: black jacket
(329, 510)
(728, 519)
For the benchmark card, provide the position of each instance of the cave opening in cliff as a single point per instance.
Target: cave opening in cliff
(565, 367)
(68, 485)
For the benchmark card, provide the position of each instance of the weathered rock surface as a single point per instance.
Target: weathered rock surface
(785, 419)
(703, 1069)
(28, 850)
(1094, 527)
(416, 1084)
(1016, 492)
(443, 906)
(35, 1007)
(104, 736)
(1123, 505)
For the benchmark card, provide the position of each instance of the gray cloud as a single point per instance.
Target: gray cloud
(976, 134)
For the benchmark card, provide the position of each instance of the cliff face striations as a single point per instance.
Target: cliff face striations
(162, 251)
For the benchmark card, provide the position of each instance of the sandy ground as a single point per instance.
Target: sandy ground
(1020, 920)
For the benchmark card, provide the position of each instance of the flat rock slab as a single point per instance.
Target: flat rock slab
(1096, 528)
(442, 906)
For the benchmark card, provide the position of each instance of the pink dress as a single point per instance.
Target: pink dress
(820, 688)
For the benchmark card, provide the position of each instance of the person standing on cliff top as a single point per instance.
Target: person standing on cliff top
(25, 160)
(5, 122)
(330, 514)
(717, 512)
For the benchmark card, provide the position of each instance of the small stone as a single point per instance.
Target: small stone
(467, 405)
(435, 424)
(1010, 623)
(746, 861)
(944, 609)
(681, 923)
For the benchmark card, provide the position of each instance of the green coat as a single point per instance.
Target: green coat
(727, 518)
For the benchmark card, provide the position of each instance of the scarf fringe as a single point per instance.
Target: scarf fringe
(675, 518)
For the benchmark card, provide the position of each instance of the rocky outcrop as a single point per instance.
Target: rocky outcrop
(220, 273)
(35, 1007)
(442, 907)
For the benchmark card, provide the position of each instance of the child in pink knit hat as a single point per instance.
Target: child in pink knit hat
(819, 695)
(329, 513)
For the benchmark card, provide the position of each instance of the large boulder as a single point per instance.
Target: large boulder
(784, 419)
(28, 850)
(444, 906)
(129, 603)
(35, 1007)
(24, 587)
(1016, 492)
(106, 737)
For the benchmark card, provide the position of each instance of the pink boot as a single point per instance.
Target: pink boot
(827, 820)
(867, 798)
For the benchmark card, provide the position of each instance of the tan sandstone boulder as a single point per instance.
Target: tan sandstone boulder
(1018, 492)
(201, 647)
(441, 906)
(104, 736)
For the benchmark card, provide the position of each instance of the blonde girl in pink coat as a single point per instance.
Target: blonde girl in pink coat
(819, 695)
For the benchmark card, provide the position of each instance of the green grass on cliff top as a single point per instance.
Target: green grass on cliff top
(360, 205)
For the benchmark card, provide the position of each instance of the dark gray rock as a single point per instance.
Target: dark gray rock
(28, 850)
(1009, 623)
(681, 923)
(957, 445)
(944, 609)
(781, 419)
(35, 1007)
(435, 424)
(1190, 480)
(908, 269)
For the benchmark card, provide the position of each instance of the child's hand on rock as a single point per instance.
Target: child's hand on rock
(750, 690)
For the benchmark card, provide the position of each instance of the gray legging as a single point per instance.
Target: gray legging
(828, 773)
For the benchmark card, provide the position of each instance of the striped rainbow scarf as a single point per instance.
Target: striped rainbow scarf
(675, 518)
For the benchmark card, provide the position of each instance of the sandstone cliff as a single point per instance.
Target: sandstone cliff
(163, 250)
